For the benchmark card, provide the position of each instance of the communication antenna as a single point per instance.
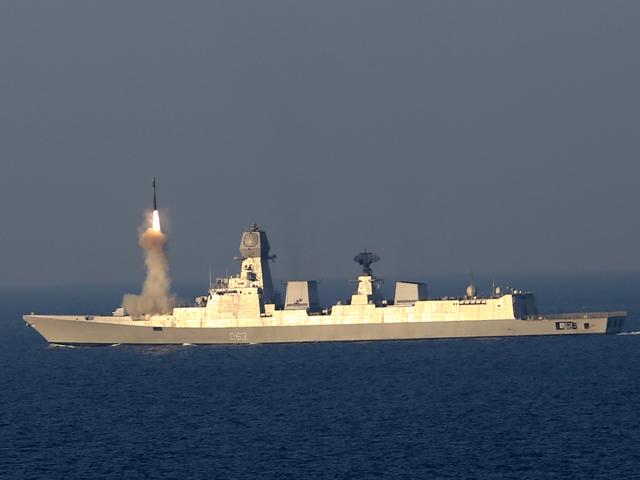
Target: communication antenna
(365, 259)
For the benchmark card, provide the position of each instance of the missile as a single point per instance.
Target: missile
(155, 203)
(155, 215)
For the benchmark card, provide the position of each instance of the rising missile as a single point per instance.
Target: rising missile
(155, 215)
(155, 203)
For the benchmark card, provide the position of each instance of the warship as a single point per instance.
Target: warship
(245, 309)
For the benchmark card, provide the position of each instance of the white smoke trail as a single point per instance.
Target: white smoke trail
(156, 296)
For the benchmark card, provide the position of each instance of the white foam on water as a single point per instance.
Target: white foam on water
(629, 333)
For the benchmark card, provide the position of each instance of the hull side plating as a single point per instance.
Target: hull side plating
(72, 331)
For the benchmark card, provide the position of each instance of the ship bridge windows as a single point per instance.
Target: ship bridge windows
(475, 301)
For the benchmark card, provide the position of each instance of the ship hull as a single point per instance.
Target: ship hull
(77, 331)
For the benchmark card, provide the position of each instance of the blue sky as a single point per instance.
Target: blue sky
(444, 136)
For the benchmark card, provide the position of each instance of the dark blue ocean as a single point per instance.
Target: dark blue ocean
(521, 408)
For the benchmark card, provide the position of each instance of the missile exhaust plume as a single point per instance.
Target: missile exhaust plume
(156, 296)
(155, 222)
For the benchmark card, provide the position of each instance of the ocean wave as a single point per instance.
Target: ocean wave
(62, 345)
(629, 333)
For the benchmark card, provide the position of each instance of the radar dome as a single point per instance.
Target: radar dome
(471, 291)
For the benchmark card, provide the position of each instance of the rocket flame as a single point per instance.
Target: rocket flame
(155, 223)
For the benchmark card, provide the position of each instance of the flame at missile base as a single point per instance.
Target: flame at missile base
(155, 221)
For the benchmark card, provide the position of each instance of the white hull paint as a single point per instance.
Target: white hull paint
(77, 330)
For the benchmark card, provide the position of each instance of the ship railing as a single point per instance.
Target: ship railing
(566, 316)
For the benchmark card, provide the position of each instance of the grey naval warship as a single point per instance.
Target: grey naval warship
(245, 309)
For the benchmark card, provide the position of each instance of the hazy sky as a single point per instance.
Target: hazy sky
(497, 136)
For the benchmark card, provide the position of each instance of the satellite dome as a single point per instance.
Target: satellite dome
(471, 291)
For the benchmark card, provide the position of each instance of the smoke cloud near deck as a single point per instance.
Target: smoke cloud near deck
(156, 296)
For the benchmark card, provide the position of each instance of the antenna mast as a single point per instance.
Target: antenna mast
(365, 259)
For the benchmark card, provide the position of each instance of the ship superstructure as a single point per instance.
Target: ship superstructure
(245, 308)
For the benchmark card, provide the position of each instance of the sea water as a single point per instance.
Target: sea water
(525, 408)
